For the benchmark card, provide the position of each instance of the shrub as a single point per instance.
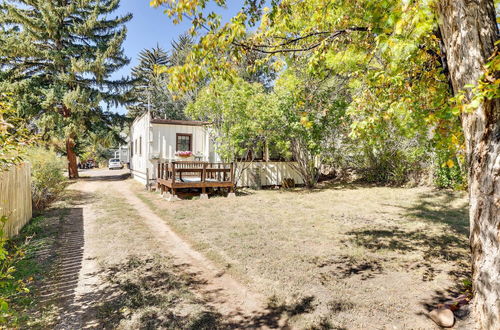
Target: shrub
(449, 175)
(394, 162)
(10, 286)
(48, 181)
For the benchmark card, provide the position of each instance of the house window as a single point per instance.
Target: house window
(140, 145)
(183, 142)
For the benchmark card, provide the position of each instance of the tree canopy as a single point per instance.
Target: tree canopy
(149, 90)
(57, 59)
(422, 72)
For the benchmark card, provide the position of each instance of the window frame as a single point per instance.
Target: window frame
(177, 141)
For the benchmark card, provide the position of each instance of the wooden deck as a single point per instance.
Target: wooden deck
(182, 177)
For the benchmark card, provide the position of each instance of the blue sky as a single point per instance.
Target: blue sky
(150, 26)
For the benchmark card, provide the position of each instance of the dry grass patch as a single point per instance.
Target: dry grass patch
(129, 281)
(363, 257)
(153, 293)
(141, 286)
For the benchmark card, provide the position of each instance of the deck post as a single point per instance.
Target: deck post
(231, 193)
(173, 174)
(172, 197)
(167, 193)
(158, 186)
(203, 180)
(232, 177)
(204, 173)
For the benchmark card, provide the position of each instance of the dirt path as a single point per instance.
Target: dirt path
(77, 304)
(237, 305)
(229, 297)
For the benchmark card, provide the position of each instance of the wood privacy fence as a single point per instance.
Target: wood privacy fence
(259, 174)
(15, 197)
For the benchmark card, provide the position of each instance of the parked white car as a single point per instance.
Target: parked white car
(115, 163)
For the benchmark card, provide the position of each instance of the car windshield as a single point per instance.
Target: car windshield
(114, 160)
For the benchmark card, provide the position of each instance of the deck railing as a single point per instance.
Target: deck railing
(204, 171)
(195, 174)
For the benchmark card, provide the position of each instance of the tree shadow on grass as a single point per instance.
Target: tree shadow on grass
(444, 246)
(274, 316)
(149, 293)
(437, 207)
(333, 185)
(58, 252)
(447, 244)
(342, 267)
(442, 207)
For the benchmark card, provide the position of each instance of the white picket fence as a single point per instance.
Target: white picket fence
(15, 197)
(258, 174)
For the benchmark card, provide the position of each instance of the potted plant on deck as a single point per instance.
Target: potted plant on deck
(184, 155)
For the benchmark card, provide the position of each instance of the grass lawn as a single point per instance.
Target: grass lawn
(346, 256)
(133, 284)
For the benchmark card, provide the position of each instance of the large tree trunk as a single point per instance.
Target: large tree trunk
(72, 164)
(469, 32)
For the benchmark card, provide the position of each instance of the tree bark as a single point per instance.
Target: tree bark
(469, 31)
(72, 164)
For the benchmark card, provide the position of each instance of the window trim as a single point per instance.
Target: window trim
(177, 141)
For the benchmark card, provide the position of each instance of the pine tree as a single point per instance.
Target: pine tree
(150, 84)
(56, 58)
(181, 49)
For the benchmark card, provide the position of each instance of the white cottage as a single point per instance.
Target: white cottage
(154, 140)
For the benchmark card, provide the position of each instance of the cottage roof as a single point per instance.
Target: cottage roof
(179, 122)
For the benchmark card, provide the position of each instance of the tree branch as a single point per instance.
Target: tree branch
(267, 49)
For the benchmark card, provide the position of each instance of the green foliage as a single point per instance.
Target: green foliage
(149, 85)
(57, 59)
(10, 285)
(311, 114)
(388, 53)
(97, 143)
(150, 82)
(487, 88)
(449, 172)
(48, 181)
(392, 161)
(23, 254)
(13, 136)
(302, 119)
(238, 112)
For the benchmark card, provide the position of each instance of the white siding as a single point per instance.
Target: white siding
(164, 140)
(151, 142)
(139, 162)
(265, 174)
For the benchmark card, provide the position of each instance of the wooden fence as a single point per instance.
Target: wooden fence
(15, 197)
(259, 174)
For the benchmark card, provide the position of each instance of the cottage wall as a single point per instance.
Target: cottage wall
(139, 148)
(151, 142)
(164, 140)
